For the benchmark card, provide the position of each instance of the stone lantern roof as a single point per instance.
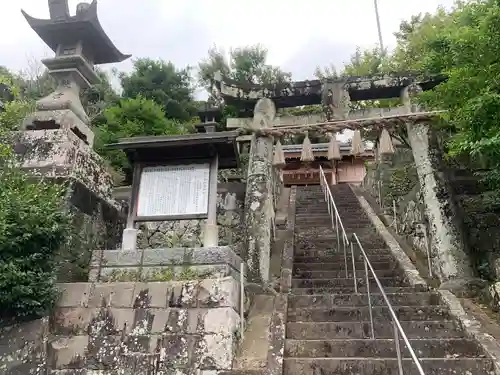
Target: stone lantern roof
(63, 29)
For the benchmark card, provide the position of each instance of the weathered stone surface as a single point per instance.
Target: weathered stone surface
(189, 233)
(450, 260)
(97, 218)
(411, 274)
(165, 264)
(130, 328)
(259, 200)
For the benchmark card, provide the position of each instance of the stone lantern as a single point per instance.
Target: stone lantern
(79, 43)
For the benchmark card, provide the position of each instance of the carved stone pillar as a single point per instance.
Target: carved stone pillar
(258, 197)
(449, 258)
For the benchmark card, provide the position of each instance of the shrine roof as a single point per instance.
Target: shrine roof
(84, 26)
(157, 149)
(294, 94)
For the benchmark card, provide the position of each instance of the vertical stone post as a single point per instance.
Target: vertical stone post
(449, 258)
(211, 234)
(259, 195)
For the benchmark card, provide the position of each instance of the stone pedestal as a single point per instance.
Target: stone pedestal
(61, 155)
(258, 200)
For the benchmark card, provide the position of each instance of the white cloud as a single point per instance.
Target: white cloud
(182, 31)
(299, 35)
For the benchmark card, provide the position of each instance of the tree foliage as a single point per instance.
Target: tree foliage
(245, 65)
(464, 44)
(131, 118)
(163, 83)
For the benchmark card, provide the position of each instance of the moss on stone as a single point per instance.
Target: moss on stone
(122, 276)
(163, 274)
(188, 274)
(402, 181)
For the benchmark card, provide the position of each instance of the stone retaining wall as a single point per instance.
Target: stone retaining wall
(164, 264)
(130, 328)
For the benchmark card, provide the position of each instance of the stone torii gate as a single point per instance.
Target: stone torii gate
(449, 257)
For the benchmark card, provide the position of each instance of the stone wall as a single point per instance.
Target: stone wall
(189, 233)
(477, 210)
(395, 179)
(153, 312)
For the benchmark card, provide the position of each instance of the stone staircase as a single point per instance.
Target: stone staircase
(328, 329)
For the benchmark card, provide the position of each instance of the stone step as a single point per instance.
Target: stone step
(240, 372)
(343, 282)
(382, 348)
(301, 245)
(361, 330)
(340, 258)
(352, 300)
(341, 273)
(345, 314)
(307, 217)
(328, 236)
(320, 264)
(383, 366)
(350, 290)
(321, 206)
(318, 252)
(326, 224)
(332, 246)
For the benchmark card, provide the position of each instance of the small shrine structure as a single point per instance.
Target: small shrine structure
(175, 178)
(346, 169)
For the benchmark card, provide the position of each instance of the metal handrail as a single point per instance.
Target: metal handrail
(336, 220)
(398, 329)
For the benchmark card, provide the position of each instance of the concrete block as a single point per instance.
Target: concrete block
(67, 352)
(74, 294)
(158, 257)
(116, 258)
(113, 295)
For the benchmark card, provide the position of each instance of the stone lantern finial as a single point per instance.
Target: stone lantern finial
(59, 10)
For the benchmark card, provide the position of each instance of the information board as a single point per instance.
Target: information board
(174, 190)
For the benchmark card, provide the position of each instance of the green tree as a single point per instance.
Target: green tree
(163, 83)
(245, 65)
(131, 118)
(363, 62)
(465, 46)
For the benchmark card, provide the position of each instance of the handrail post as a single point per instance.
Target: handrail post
(354, 276)
(398, 348)
(345, 257)
(242, 300)
(372, 329)
(337, 231)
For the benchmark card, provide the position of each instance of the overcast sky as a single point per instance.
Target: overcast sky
(299, 35)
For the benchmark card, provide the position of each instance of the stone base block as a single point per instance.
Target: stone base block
(165, 264)
(129, 239)
(60, 119)
(223, 292)
(60, 153)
